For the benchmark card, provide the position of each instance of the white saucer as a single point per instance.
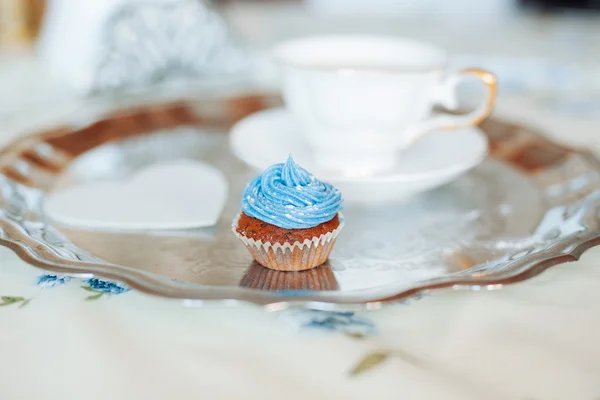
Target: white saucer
(268, 137)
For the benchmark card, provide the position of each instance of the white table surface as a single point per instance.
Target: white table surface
(534, 340)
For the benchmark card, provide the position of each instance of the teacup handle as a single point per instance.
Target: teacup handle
(446, 96)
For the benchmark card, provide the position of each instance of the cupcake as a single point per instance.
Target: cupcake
(290, 220)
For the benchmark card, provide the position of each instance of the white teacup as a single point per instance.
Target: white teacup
(360, 99)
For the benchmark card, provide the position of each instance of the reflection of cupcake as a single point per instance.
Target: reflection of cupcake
(289, 219)
(320, 278)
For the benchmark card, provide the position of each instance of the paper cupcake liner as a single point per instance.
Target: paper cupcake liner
(297, 256)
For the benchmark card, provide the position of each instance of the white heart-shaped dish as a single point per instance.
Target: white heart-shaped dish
(175, 195)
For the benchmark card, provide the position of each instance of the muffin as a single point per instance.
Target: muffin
(290, 220)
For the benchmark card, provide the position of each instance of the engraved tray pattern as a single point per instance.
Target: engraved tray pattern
(532, 204)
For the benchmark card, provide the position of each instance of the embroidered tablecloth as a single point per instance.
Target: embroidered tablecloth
(64, 338)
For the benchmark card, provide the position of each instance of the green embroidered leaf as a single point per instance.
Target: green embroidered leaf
(94, 296)
(370, 361)
(24, 303)
(8, 300)
(356, 335)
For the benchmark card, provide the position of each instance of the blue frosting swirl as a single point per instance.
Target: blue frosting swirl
(287, 196)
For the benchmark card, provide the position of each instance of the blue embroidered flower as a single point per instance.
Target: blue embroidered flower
(415, 297)
(331, 321)
(99, 285)
(48, 281)
(294, 292)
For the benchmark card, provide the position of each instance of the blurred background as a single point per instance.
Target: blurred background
(56, 53)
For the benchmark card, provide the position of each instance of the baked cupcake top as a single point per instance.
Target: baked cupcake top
(287, 196)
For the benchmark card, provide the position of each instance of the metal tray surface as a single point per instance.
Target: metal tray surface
(531, 204)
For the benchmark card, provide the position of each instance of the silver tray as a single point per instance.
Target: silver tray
(530, 205)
